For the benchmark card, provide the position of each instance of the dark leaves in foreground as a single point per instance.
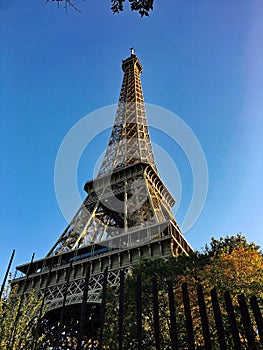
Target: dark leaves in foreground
(143, 7)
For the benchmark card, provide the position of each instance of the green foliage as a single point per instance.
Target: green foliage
(228, 244)
(18, 332)
(229, 263)
(143, 7)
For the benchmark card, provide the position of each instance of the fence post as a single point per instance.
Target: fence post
(258, 317)
(218, 320)
(20, 304)
(121, 309)
(156, 313)
(173, 328)
(139, 310)
(63, 307)
(83, 306)
(249, 331)
(204, 318)
(232, 321)
(7, 272)
(103, 306)
(42, 305)
(188, 317)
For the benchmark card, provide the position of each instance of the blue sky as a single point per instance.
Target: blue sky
(202, 61)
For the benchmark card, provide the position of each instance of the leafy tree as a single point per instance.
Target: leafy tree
(228, 244)
(230, 263)
(143, 7)
(18, 320)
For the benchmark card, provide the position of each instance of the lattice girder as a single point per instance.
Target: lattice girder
(55, 294)
(129, 141)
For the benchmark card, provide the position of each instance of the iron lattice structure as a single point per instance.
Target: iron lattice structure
(125, 217)
(130, 141)
(128, 193)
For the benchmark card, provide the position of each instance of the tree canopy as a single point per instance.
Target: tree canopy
(18, 320)
(143, 7)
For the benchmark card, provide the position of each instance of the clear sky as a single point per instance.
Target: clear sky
(202, 61)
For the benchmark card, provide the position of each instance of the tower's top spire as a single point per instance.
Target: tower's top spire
(132, 50)
(129, 141)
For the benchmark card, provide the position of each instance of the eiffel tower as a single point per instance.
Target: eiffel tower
(125, 217)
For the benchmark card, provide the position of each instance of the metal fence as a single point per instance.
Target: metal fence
(216, 321)
(244, 323)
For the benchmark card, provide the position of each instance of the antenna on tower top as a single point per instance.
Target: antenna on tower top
(132, 50)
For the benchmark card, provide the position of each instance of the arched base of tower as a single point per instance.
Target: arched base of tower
(65, 336)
